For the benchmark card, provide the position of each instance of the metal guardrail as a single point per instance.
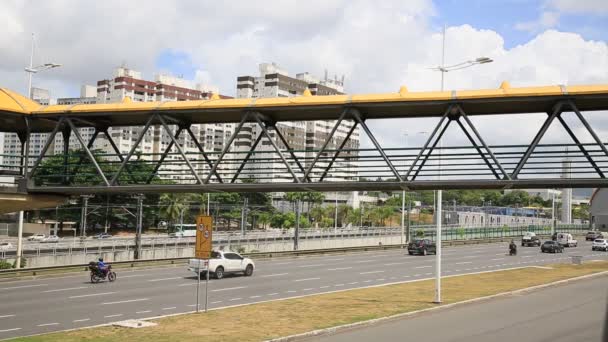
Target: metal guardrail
(36, 271)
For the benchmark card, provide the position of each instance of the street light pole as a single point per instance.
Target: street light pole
(403, 238)
(443, 69)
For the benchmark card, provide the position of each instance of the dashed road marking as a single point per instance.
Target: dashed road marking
(273, 275)
(339, 268)
(110, 316)
(306, 279)
(170, 308)
(163, 279)
(127, 301)
(463, 263)
(371, 272)
(81, 320)
(229, 288)
(141, 312)
(233, 299)
(423, 266)
(47, 324)
(7, 330)
(315, 265)
(92, 295)
(7, 316)
(252, 297)
(273, 294)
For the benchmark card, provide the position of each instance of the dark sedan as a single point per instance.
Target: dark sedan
(592, 235)
(422, 247)
(551, 247)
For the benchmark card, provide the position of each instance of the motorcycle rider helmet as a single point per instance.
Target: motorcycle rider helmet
(100, 259)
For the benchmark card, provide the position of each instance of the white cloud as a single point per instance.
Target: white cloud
(593, 7)
(379, 46)
(547, 19)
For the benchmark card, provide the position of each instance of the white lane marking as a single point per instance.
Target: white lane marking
(233, 299)
(216, 302)
(7, 330)
(47, 324)
(315, 265)
(353, 283)
(367, 281)
(469, 257)
(7, 316)
(92, 295)
(497, 259)
(339, 285)
(127, 301)
(229, 288)
(273, 294)
(131, 276)
(500, 254)
(417, 275)
(307, 279)
(291, 291)
(527, 256)
(68, 289)
(370, 272)
(81, 320)
(308, 289)
(273, 275)
(362, 261)
(283, 263)
(141, 312)
(252, 297)
(380, 279)
(464, 262)
(324, 287)
(187, 284)
(162, 279)
(339, 268)
(110, 316)
(23, 287)
(393, 263)
(423, 266)
(170, 308)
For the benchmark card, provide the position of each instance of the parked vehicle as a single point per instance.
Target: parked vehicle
(222, 263)
(600, 245)
(551, 247)
(530, 240)
(183, 233)
(36, 237)
(422, 247)
(566, 240)
(5, 246)
(593, 234)
(102, 236)
(50, 239)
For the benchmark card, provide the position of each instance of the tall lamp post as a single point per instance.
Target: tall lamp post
(25, 144)
(404, 239)
(443, 69)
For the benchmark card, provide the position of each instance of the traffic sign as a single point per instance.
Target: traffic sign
(204, 237)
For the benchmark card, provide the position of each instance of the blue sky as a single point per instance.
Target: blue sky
(502, 16)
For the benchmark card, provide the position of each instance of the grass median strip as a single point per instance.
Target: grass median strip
(259, 322)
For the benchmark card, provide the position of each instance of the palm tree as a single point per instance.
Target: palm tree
(172, 205)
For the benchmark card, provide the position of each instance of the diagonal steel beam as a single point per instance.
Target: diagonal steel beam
(357, 116)
(428, 155)
(179, 148)
(162, 158)
(580, 146)
(133, 148)
(276, 148)
(487, 148)
(557, 109)
(589, 128)
(251, 151)
(86, 149)
(428, 141)
(329, 138)
(45, 148)
(481, 154)
(89, 145)
(288, 148)
(338, 151)
(227, 147)
(200, 148)
(117, 151)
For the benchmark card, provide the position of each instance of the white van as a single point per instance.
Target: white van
(566, 240)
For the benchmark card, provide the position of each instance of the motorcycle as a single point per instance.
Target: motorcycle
(98, 275)
(512, 250)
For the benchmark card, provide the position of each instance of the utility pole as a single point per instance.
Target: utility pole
(83, 214)
(244, 215)
(296, 237)
(140, 216)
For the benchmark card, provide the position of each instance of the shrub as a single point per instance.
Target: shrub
(4, 265)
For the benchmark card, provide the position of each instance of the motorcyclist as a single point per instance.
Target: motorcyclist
(512, 247)
(102, 266)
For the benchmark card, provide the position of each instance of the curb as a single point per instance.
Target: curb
(341, 328)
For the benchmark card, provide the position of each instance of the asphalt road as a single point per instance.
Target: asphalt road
(573, 312)
(45, 305)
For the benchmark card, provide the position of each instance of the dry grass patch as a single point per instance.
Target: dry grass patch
(263, 321)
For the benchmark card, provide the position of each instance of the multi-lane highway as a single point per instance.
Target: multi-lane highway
(45, 305)
(573, 312)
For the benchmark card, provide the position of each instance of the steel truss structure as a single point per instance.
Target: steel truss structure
(279, 167)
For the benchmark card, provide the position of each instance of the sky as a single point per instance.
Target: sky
(377, 46)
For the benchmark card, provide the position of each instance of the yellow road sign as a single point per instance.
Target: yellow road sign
(204, 236)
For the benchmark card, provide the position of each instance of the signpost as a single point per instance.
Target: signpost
(202, 251)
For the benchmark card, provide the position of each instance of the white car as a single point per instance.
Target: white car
(600, 245)
(566, 240)
(36, 237)
(5, 246)
(50, 239)
(222, 263)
